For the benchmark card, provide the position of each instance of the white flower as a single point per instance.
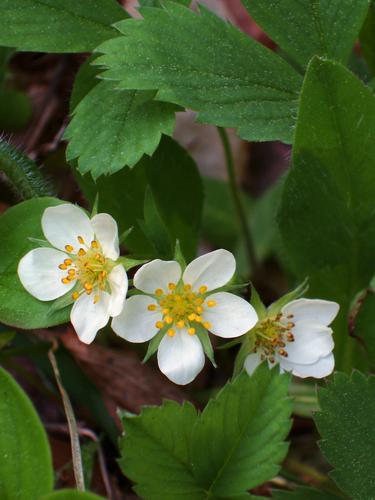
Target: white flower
(298, 338)
(179, 303)
(84, 258)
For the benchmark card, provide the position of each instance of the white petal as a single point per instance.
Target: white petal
(106, 232)
(64, 223)
(181, 357)
(311, 343)
(212, 270)
(231, 317)
(322, 312)
(157, 274)
(136, 323)
(118, 281)
(252, 362)
(39, 273)
(88, 318)
(322, 368)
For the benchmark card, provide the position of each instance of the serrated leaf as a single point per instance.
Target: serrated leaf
(327, 217)
(311, 27)
(128, 124)
(157, 441)
(238, 441)
(345, 423)
(229, 78)
(58, 25)
(17, 307)
(26, 471)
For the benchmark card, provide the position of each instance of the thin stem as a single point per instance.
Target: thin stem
(238, 201)
(72, 424)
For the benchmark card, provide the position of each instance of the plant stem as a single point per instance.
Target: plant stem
(72, 424)
(238, 201)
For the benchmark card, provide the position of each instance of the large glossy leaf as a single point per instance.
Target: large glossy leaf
(17, 307)
(57, 25)
(25, 464)
(200, 62)
(346, 426)
(327, 216)
(304, 28)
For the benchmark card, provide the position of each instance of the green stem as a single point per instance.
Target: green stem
(238, 201)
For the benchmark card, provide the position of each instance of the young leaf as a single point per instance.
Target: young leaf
(238, 441)
(229, 78)
(58, 25)
(17, 307)
(157, 441)
(26, 471)
(345, 423)
(311, 27)
(128, 124)
(327, 220)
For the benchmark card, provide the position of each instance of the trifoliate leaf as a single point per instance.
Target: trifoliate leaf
(311, 28)
(345, 423)
(201, 62)
(128, 124)
(238, 441)
(58, 25)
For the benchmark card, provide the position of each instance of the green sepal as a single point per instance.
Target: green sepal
(95, 205)
(285, 299)
(153, 346)
(40, 242)
(62, 302)
(178, 255)
(245, 349)
(230, 344)
(206, 343)
(123, 236)
(129, 263)
(257, 303)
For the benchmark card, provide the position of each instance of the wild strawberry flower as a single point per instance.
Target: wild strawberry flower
(298, 338)
(178, 303)
(82, 262)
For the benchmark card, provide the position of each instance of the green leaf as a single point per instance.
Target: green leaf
(157, 441)
(85, 80)
(311, 27)
(71, 495)
(367, 38)
(303, 493)
(128, 124)
(17, 307)
(326, 218)
(229, 78)
(238, 441)
(346, 426)
(26, 467)
(58, 25)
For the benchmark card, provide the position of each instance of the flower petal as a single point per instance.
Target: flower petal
(231, 317)
(157, 274)
(64, 223)
(39, 273)
(118, 281)
(322, 368)
(181, 357)
(311, 342)
(106, 232)
(136, 323)
(252, 362)
(88, 318)
(322, 312)
(212, 270)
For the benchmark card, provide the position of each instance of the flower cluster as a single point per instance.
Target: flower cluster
(174, 307)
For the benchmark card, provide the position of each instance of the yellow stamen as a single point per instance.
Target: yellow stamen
(199, 301)
(158, 292)
(192, 317)
(198, 319)
(69, 248)
(65, 281)
(171, 286)
(165, 311)
(94, 244)
(151, 307)
(81, 252)
(88, 286)
(171, 332)
(203, 289)
(199, 309)
(191, 331)
(75, 295)
(62, 267)
(211, 303)
(187, 288)
(72, 272)
(159, 324)
(96, 299)
(207, 325)
(180, 324)
(168, 320)
(68, 262)
(81, 241)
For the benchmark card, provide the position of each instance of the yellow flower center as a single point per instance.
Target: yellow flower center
(272, 336)
(89, 267)
(181, 308)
